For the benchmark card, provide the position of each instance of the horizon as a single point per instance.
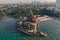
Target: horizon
(24, 1)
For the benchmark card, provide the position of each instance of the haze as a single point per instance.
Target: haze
(24, 1)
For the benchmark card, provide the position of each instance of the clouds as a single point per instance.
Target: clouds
(18, 1)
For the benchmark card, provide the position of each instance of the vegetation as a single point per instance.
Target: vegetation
(20, 11)
(27, 26)
(45, 11)
(48, 12)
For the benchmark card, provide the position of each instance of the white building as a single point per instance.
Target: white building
(51, 8)
(58, 5)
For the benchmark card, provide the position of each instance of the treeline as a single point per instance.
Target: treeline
(19, 11)
(45, 11)
(49, 12)
(15, 12)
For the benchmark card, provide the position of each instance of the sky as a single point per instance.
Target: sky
(24, 1)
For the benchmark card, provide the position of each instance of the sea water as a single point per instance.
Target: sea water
(8, 30)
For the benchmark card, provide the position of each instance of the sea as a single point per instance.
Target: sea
(8, 30)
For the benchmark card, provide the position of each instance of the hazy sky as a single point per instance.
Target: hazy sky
(18, 1)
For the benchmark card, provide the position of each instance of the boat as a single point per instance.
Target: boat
(43, 34)
(24, 31)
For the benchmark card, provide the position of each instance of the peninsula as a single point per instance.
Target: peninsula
(29, 24)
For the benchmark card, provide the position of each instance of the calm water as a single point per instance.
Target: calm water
(8, 30)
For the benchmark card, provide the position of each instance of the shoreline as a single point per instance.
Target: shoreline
(46, 18)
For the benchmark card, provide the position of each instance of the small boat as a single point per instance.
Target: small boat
(43, 34)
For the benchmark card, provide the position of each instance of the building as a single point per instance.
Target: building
(58, 5)
(51, 8)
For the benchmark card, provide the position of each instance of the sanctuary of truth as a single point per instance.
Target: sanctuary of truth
(28, 25)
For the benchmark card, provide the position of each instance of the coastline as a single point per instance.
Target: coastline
(57, 18)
